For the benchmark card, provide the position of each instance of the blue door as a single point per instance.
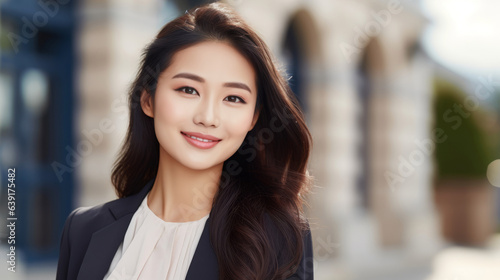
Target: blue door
(36, 121)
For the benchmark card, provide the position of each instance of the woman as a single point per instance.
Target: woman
(212, 174)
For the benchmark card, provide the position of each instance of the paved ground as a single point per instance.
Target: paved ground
(467, 264)
(453, 263)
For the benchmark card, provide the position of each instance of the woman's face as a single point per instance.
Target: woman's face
(204, 104)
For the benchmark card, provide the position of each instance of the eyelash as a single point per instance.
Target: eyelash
(183, 89)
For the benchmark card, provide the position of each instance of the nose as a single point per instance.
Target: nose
(207, 113)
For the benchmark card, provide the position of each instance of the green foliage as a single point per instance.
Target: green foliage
(465, 152)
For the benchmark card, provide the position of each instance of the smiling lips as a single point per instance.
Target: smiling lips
(200, 141)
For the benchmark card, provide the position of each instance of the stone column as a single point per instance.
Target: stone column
(111, 36)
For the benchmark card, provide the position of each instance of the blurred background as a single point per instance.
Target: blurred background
(402, 99)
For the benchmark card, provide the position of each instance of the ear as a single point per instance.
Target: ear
(147, 104)
(255, 118)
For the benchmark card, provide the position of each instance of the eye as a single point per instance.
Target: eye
(187, 90)
(235, 99)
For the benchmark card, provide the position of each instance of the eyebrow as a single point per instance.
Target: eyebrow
(201, 80)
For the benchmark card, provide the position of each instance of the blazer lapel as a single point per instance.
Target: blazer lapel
(204, 264)
(102, 249)
(105, 242)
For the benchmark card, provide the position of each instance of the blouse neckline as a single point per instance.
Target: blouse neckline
(160, 220)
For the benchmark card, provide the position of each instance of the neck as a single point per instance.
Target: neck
(181, 194)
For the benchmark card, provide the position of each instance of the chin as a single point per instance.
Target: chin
(199, 165)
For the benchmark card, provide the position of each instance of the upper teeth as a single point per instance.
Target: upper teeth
(200, 139)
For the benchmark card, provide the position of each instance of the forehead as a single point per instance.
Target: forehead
(214, 61)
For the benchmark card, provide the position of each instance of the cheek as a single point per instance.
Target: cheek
(168, 111)
(240, 124)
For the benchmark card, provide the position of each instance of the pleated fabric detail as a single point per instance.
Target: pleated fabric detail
(155, 249)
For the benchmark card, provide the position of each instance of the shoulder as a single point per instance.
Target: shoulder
(78, 229)
(305, 269)
(86, 220)
(90, 219)
(275, 229)
(89, 215)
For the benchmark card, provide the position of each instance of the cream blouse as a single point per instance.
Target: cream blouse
(154, 249)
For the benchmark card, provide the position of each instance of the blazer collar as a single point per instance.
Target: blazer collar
(105, 242)
(124, 206)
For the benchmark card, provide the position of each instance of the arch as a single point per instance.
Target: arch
(375, 97)
(307, 28)
(301, 54)
(371, 62)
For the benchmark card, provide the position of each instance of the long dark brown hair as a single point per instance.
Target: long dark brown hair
(256, 222)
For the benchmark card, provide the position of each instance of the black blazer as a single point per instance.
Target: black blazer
(92, 235)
